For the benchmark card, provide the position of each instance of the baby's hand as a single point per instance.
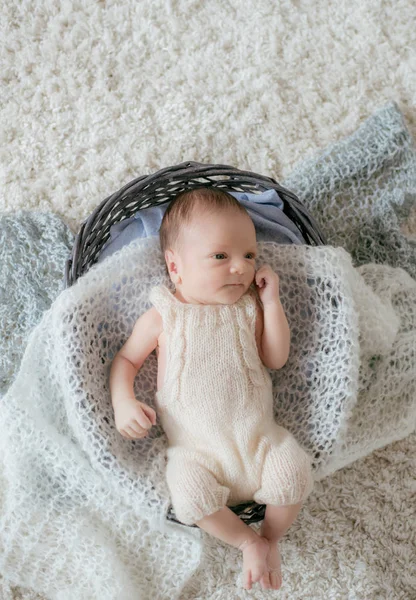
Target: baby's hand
(267, 282)
(133, 418)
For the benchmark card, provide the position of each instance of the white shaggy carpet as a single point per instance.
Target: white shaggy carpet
(95, 93)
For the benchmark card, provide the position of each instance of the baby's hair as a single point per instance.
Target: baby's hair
(183, 207)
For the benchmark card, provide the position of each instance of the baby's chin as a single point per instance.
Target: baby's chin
(226, 294)
(233, 292)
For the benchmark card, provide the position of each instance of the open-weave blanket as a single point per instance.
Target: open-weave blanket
(83, 511)
(33, 250)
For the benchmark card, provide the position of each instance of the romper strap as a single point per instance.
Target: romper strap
(161, 297)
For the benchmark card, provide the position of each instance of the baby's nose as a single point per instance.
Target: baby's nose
(237, 268)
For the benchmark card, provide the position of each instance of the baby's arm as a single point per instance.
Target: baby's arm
(142, 341)
(129, 359)
(274, 344)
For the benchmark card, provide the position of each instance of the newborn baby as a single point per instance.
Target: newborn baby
(215, 337)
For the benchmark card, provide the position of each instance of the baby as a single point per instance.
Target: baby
(215, 337)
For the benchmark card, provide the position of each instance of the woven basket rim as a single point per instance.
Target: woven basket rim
(86, 250)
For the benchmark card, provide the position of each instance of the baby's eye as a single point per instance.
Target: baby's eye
(250, 254)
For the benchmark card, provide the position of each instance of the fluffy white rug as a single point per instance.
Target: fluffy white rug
(96, 93)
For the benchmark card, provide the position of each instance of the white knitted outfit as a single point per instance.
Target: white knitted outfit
(216, 408)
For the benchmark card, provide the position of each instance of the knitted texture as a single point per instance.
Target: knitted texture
(362, 191)
(216, 408)
(71, 480)
(82, 508)
(33, 250)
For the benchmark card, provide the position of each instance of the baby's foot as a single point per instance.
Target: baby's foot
(254, 560)
(272, 578)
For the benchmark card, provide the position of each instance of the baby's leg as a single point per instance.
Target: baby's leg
(228, 527)
(199, 497)
(277, 521)
(285, 484)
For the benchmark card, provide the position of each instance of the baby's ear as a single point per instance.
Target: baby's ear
(171, 266)
(168, 259)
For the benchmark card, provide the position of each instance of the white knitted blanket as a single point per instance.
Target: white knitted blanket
(83, 509)
(91, 504)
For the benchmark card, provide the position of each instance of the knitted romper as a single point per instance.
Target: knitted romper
(216, 408)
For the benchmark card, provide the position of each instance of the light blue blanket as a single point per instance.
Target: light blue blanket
(265, 209)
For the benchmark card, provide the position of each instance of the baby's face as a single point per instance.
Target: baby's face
(219, 251)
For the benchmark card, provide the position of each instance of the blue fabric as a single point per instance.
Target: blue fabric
(265, 209)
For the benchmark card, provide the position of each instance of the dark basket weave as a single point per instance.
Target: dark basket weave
(159, 188)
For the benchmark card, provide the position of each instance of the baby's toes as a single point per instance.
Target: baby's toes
(265, 581)
(275, 580)
(256, 574)
(247, 580)
(274, 566)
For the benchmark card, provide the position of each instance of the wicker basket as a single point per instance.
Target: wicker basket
(162, 187)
